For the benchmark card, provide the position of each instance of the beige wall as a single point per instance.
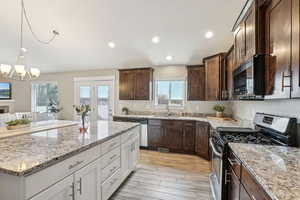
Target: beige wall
(22, 91)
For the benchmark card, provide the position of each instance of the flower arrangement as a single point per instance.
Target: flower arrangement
(82, 110)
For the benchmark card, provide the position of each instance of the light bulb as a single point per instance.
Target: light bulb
(20, 69)
(35, 72)
(5, 69)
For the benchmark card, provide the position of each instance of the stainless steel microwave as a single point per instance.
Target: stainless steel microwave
(249, 79)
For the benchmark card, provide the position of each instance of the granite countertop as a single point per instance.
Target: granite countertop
(36, 127)
(213, 122)
(27, 154)
(276, 168)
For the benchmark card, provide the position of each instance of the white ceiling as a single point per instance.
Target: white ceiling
(86, 26)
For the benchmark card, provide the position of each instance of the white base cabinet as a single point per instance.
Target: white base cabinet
(94, 174)
(62, 190)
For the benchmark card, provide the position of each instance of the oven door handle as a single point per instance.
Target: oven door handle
(214, 149)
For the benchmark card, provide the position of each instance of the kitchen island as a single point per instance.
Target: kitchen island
(65, 164)
(274, 169)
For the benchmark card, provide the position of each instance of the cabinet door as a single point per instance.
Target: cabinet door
(213, 76)
(278, 47)
(239, 45)
(196, 83)
(62, 190)
(230, 67)
(244, 194)
(155, 136)
(126, 85)
(250, 32)
(142, 84)
(86, 183)
(189, 138)
(173, 137)
(233, 187)
(295, 49)
(202, 140)
(125, 159)
(135, 152)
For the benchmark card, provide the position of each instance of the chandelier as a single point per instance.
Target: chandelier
(20, 71)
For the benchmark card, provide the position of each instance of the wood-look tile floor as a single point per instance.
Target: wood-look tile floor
(166, 176)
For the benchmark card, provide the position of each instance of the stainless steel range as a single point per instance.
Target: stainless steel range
(269, 130)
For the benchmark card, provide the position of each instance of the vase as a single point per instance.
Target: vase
(84, 126)
(219, 114)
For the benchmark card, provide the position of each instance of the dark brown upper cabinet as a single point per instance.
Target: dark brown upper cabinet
(135, 84)
(278, 48)
(215, 75)
(295, 50)
(229, 63)
(196, 83)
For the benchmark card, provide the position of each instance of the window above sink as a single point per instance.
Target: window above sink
(170, 93)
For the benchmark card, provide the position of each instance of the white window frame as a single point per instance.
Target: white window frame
(170, 105)
(33, 98)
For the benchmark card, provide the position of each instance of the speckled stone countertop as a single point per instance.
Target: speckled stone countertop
(276, 168)
(27, 154)
(213, 122)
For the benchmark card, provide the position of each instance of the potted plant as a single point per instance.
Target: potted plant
(219, 110)
(18, 123)
(82, 110)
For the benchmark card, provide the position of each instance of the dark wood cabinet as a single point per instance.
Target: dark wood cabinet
(229, 62)
(155, 134)
(295, 50)
(196, 83)
(233, 187)
(135, 84)
(278, 48)
(188, 141)
(239, 45)
(173, 135)
(214, 77)
(202, 140)
(243, 186)
(250, 34)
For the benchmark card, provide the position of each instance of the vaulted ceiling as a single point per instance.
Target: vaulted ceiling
(87, 26)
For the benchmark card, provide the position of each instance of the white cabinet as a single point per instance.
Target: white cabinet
(86, 183)
(130, 156)
(62, 190)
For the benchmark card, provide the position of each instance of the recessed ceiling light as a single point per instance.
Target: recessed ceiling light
(23, 49)
(112, 45)
(209, 34)
(155, 39)
(169, 58)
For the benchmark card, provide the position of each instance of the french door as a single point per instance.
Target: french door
(97, 94)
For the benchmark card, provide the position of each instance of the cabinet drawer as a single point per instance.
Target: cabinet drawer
(130, 134)
(235, 164)
(111, 184)
(190, 123)
(255, 191)
(173, 123)
(41, 180)
(110, 157)
(110, 169)
(111, 144)
(156, 122)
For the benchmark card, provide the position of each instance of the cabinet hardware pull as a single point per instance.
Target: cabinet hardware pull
(112, 169)
(283, 80)
(76, 164)
(80, 186)
(232, 162)
(113, 144)
(112, 156)
(253, 197)
(72, 195)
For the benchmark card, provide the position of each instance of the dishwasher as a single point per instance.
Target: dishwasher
(144, 128)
